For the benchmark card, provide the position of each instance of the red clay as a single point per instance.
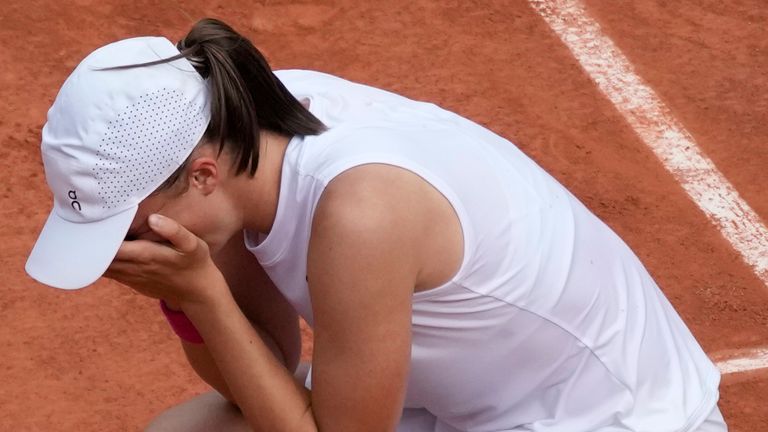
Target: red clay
(103, 358)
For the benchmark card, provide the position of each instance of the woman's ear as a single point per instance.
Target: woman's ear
(204, 174)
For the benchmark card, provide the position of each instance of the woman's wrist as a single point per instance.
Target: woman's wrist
(177, 311)
(209, 286)
(209, 298)
(181, 324)
(202, 309)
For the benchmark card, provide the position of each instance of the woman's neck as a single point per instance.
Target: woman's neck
(259, 194)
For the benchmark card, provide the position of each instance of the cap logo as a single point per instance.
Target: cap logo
(75, 204)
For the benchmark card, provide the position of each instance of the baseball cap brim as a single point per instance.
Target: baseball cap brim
(71, 255)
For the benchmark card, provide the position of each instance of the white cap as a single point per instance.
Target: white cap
(111, 139)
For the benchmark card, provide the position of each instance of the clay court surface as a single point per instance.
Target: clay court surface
(104, 359)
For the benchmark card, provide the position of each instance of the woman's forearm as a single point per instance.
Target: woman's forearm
(199, 357)
(205, 367)
(266, 392)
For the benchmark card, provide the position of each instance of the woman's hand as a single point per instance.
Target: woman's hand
(180, 271)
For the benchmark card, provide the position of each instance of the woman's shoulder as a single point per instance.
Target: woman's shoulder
(304, 80)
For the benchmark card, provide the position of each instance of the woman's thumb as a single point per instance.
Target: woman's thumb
(169, 229)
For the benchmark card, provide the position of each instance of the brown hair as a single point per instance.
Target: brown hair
(245, 95)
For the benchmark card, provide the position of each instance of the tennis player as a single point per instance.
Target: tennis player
(452, 284)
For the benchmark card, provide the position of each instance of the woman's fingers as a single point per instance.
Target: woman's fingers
(146, 252)
(167, 228)
(179, 240)
(133, 250)
(130, 274)
(121, 271)
(117, 268)
(163, 270)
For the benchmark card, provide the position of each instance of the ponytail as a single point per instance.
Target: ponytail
(245, 95)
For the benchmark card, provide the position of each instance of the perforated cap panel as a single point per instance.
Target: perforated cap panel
(144, 144)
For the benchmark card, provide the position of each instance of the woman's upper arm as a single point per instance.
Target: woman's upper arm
(260, 299)
(362, 267)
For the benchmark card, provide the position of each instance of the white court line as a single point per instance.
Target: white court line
(654, 123)
(756, 359)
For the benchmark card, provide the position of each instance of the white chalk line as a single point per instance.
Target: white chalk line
(655, 125)
(754, 360)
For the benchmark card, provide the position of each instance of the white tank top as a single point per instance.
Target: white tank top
(551, 323)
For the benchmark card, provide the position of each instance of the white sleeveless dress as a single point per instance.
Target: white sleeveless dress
(551, 323)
